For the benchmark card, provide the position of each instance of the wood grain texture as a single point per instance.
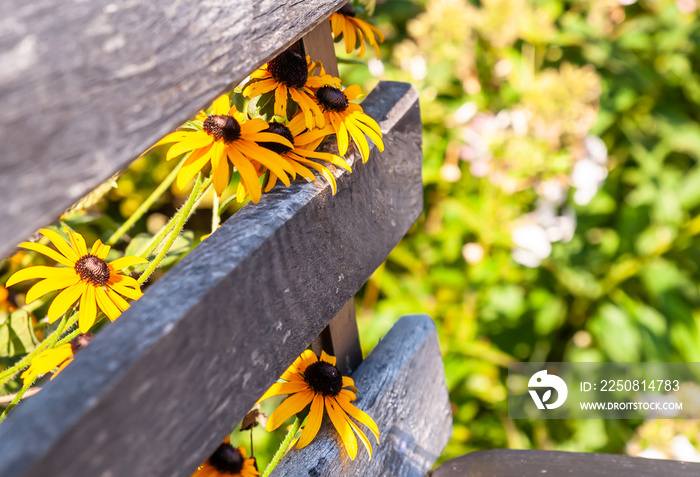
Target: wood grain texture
(402, 387)
(155, 392)
(535, 463)
(341, 339)
(86, 86)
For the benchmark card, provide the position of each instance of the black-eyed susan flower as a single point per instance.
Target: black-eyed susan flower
(228, 461)
(227, 136)
(319, 383)
(86, 277)
(58, 357)
(355, 31)
(304, 151)
(348, 118)
(289, 75)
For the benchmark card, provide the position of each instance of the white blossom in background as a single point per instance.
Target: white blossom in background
(473, 253)
(532, 244)
(683, 449)
(553, 218)
(376, 67)
(687, 6)
(590, 172)
(465, 112)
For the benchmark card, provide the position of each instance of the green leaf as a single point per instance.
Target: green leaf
(138, 245)
(16, 333)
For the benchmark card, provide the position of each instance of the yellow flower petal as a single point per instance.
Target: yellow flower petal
(299, 366)
(353, 92)
(362, 436)
(350, 37)
(290, 406)
(359, 139)
(313, 422)
(49, 252)
(39, 271)
(196, 140)
(221, 105)
(193, 164)
(61, 244)
(124, 280)
(78, 242)
(374, 134)
(247, 171)
(88, 309)
(327, 358)
(107, 305)
(260, 87)
(358, 414)
(51, 284)
(64, 300)
(125, 262)
(62, 366)
(281, 100)
(219, 168)
(46, 361)
(121, 303)
(128, 292)
(279, 389)
(341, 133)
(269, 159)
(340, 422)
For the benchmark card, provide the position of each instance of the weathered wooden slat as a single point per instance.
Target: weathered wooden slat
(536, 463)
(341, 339)
(318, 44)
(402, 386)
(156, 391)
(86, 86)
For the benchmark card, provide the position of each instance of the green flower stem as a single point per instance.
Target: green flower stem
(71, 335)
(167, 228)
(143, 208)
(14, 402)
(215, 218)
(65, 323)
(225, 203)
(10, 372)
(184, 214)
(283, 447)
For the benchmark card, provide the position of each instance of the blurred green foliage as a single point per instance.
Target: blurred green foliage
(625, 286)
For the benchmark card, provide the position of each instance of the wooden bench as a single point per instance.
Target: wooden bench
(89, 86)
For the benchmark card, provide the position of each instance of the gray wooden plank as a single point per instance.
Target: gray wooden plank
(341, 339)
(402, 387)
(156, 391)
(319, 45)
(531, 463)
(86, 86)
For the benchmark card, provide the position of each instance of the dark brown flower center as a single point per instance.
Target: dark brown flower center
(332, 99)
(289, 68)
(222, 127)
(227, 460)
(80, 342)
(93, 269)
(324, 378)
(347, 10)
(281, 130)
